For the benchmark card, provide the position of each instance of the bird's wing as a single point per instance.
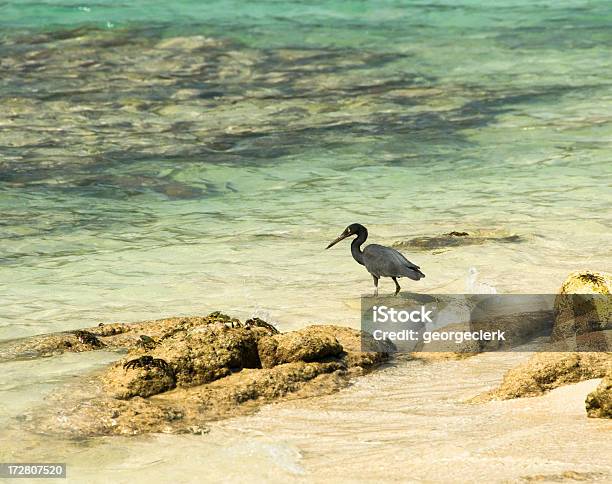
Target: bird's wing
(387, 262)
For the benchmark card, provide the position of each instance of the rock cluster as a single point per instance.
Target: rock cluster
(584, 322)
(187, 371)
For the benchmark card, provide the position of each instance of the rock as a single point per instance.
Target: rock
(115, 336)
(583, 309)
(178, 191)
(359, 349)
(587, 282)
(195, 355)
(194, 42)
(114, 186)
(50, 345)
(308, 344)
(545, 371)
(143, 382)
(184, 409)
(456, 239)
(188, 371)
(574, 318)
(599, 401)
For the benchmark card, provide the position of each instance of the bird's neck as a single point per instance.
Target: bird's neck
(356, 246)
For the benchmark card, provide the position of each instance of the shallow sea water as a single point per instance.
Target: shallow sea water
(163, 158)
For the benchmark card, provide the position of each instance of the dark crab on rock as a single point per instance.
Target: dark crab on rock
(146, 342)
(148, 361)
(259, 323)
(87, 338)
(157, 376)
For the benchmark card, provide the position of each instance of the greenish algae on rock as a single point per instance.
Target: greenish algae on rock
(588, 318)
(188, 371)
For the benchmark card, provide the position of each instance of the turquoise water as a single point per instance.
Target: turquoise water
(163, 158)
(167, 158)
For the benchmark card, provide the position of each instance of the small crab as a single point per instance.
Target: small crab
(148, 361)
(260, 323)
(219, 316)
(87, 338)
(146, 342)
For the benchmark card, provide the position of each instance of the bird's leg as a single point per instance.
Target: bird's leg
(397, 286)
(375, 285)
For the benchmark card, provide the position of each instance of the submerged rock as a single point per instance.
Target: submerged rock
(599, 401)
(120, 186)
(107, 98)
(456, 239)
(192, 43)
(113, 336)
(187, 371)
(583, 310)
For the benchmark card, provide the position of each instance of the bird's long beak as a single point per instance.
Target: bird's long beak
(334, 242)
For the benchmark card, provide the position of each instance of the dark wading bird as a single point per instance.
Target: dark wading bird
(380, 261)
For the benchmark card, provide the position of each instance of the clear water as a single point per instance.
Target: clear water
(413, 118)
(143, 176)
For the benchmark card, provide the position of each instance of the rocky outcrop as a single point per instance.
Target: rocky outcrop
(583, 312)
(187, 371)
(599, 401)
(192, 356)
(545, 371)
(580, 322)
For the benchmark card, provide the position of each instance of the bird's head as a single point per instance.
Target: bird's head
(352, 229)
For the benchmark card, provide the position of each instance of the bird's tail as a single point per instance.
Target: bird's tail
(415, 274)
